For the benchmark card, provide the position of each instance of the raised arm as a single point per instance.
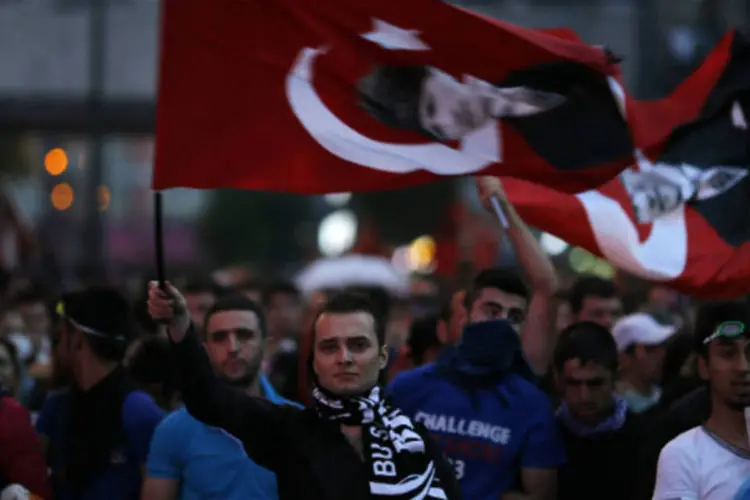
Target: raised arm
(538, 332)
(258, 424)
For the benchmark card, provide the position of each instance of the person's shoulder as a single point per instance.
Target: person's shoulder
(684, 445)
(414, 376)
(179, 418)
(139, 407)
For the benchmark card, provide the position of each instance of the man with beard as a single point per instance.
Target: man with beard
(190, 460)
(712, 461)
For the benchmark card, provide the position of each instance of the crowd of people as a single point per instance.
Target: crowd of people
(508, 387)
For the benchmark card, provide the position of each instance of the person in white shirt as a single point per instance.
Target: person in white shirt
(712, 461)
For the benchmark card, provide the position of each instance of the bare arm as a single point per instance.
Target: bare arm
(538, 332)
(160, 489)
(537, 484)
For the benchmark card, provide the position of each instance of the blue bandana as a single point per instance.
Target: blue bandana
(486, 353)
(610, 424)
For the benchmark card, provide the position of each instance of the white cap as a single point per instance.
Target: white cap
(640, 328)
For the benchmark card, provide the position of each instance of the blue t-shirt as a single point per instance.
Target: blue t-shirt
(488, 434)
(208, 462)
(121, 480)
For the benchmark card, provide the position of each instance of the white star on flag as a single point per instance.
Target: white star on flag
(392, 37)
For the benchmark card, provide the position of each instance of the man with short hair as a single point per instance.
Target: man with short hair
(96, 433)
(601, 436)
(595, 299)
(190, 460)
(352, 444)
(712, 461)
(485, 382)
(640, 340)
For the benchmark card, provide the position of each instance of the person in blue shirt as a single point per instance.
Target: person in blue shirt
(493, 366)
(96, 433)
(190, 460)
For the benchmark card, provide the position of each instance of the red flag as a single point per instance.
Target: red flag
(683, 218)
(334, 95)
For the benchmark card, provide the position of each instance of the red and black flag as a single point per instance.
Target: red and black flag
(683, 214)
(338, 95)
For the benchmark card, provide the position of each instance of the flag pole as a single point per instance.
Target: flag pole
(498, 209)
(161, 273)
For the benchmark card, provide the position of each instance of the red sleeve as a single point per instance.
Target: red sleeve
(21, 459)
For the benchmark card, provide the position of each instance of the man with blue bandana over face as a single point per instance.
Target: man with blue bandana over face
(480, 399)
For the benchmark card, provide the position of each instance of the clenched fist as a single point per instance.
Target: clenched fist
(168, 307)
(489, 187)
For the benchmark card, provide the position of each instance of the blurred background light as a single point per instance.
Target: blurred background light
(337, 233)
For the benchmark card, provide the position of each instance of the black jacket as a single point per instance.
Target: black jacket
(601, 466)
(311, 458)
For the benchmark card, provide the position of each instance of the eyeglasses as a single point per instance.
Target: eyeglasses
(728, 330)
(60, 310)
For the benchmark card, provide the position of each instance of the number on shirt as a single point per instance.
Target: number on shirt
(458, 468)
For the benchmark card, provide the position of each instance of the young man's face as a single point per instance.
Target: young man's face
(602, 310)
(727, 368)
(235, 344)
(492, 304)
(347, 358)
(587, 389)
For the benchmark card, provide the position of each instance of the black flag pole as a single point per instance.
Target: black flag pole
(161, 271)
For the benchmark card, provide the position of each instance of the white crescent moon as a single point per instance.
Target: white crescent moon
(662, 257)
(478, 149)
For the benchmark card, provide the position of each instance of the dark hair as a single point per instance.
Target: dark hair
(106, 311)
(14, 359)
(391, 95)
(589, 286)
(237, 302)
(505, 280)
(588, 342)
(422, 337)
(279, 288)
(710, 315)
(352, 302)
(379, 298)
(153, 363)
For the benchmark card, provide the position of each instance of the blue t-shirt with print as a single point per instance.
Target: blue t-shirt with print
(488, 434)
(208, 462)
(121, 480)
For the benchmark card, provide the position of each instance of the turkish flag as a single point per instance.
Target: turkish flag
(337, 95)
(684, 216)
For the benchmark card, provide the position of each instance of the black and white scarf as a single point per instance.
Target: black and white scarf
(395, 453)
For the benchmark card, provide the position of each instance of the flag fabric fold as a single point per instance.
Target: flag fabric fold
(334, 95)
(680, 214)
